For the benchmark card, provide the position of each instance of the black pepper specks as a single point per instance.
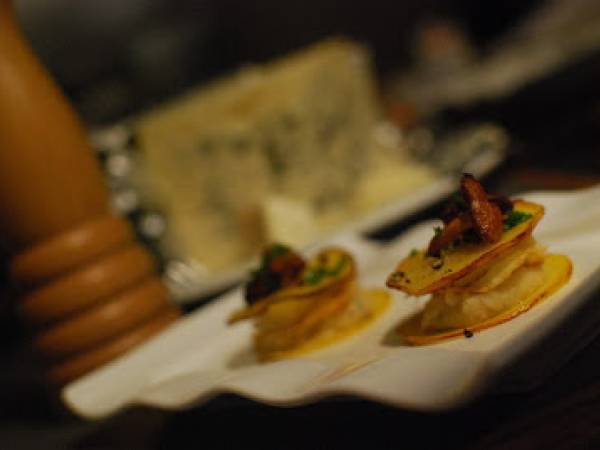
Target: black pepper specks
(468, 333)
(396, 277)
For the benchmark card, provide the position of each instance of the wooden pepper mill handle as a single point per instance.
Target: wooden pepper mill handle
(89, 290)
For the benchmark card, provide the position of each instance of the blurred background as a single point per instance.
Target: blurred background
(115, 58)
(529, 67)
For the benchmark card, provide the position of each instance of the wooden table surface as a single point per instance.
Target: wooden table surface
(563, 412)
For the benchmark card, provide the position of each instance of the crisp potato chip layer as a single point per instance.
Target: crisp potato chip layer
(317, 312)
(364, 309)
(306, 324)
(420, 274)
(460, 319)
(500, 269)
(324, 289)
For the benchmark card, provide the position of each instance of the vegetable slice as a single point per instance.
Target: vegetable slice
(335, 274)
(489, 277)
(421, 274)
(557, 270)
(290, 336)
(377, 302)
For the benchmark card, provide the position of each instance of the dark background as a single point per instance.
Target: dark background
(114, 57)
(117, 57)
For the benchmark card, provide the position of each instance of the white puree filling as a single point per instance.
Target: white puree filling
(459, 308)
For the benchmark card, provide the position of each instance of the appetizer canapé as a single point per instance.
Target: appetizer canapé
(483, 267)
(299, 305)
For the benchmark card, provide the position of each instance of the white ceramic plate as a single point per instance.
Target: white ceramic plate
(200, 357)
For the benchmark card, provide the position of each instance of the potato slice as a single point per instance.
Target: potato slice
(283, 314)
(330, 258)
(556, 271)
(367, 307)
(452, 308)
(420, 274)
(493, 275)
(287, 337)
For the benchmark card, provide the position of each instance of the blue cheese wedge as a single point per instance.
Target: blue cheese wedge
(300, 128)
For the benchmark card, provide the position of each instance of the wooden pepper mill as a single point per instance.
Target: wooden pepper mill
(89, 291)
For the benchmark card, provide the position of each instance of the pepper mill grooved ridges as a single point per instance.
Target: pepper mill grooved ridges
(90, 292)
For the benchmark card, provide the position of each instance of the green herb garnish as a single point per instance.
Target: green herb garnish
(274, 251)
(316, 275)
(514, 218)
(313, 276)
(437, 231)
(413, 252)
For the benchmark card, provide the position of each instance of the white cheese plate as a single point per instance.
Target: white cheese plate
(201, 357)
